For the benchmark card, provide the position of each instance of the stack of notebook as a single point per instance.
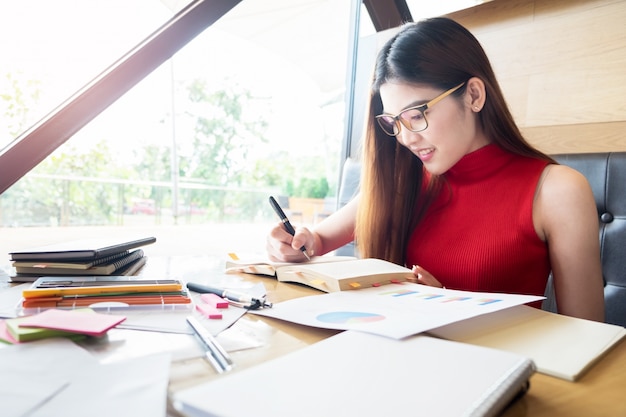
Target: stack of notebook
(88, 257)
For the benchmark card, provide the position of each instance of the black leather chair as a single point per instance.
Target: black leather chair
(606, 172)
(348, 188)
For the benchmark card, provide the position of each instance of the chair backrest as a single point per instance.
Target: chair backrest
(348, 188)
(606, 173)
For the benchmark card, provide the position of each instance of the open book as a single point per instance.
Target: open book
(328, 273)
(359, 374)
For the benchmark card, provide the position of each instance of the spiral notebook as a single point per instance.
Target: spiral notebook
(104, 266)
(356, 374)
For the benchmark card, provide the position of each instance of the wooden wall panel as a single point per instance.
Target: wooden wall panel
(562, 67)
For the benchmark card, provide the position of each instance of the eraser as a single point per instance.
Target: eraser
(355, 285)
(214, 300)
(208, 311)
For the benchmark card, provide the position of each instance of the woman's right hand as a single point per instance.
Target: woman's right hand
(282, 247)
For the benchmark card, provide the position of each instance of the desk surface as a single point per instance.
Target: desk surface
(599, 392)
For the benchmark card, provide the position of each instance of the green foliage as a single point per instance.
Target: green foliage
(226, 134)
(53, 195)
(308, 187)
(223, 133)
(15, 102)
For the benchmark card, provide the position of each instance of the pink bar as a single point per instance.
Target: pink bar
(214, 300)
(209, 311)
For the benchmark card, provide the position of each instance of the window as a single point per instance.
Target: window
(252, 106)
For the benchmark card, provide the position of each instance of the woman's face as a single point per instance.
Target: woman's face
(453, 130)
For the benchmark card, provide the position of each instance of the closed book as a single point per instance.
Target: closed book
(561, 346)
(86, 249)
(354, 374)
(107, 266)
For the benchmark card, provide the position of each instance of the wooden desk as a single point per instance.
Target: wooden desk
(599, 392)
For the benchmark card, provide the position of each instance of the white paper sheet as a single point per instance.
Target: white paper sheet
(74, 383)
(394, 310)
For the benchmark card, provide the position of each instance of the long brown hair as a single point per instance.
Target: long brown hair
(394, 189)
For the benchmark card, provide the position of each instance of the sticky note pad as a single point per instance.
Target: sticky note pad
(208, 311)
(75, 321)
(214, 300)
(5, 335)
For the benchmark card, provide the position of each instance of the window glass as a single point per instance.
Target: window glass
(254, 106)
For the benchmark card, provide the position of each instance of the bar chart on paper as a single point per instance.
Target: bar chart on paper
(425, 295)
(395, 310)
(349, 317)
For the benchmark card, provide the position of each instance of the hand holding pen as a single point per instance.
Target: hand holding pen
(288, 227)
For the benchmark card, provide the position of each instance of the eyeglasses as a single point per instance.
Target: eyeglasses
(413, 118)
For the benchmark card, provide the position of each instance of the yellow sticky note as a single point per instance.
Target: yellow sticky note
(233, 256)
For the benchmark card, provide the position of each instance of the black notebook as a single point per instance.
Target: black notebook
(103, 266)
(85, 249)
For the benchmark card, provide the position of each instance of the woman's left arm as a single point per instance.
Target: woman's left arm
(565, 215)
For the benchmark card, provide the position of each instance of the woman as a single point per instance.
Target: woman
(452, 189)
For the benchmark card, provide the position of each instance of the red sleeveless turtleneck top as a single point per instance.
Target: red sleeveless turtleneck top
(478, 234)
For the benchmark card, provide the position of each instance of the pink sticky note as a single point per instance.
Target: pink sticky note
(209, 311)
(4, 333)
(214, 300)
(76, 321)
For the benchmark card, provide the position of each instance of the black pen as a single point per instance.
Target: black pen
(286, 223)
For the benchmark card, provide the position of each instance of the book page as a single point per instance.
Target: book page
(257, 264)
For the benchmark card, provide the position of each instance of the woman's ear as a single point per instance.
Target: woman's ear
(475, 95)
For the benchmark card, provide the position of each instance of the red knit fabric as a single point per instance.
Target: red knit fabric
(478, 235)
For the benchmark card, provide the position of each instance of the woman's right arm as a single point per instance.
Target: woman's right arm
(331, 233)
